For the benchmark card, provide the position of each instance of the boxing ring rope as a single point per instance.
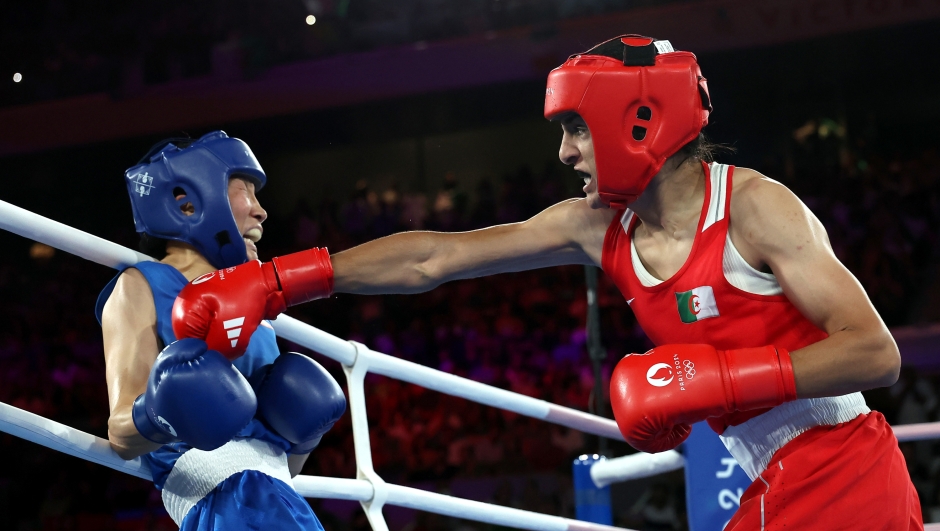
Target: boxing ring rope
(641, 465)
(357, 360)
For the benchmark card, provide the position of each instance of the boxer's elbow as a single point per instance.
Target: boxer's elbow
(426, 274)
(124, 438)
(121, 448)
(435, 263)
(886, 361)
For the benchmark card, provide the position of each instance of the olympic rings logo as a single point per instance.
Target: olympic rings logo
(689, 369)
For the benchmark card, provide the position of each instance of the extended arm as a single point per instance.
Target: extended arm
(776, 228)
(130, 348)
(567, 233)
(412, 262)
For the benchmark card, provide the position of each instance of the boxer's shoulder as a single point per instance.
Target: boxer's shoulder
(131, 289)
(589, 226)
(767, 218)
(578, 212)
(761, 203)
(751, 185)
(571, 222)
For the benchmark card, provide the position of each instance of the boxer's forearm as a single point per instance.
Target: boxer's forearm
(847, 361)
(413, 262)
(400, 263)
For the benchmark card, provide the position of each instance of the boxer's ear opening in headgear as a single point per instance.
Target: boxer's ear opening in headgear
(222, 238)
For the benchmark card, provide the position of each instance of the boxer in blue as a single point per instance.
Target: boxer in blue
(223, 438)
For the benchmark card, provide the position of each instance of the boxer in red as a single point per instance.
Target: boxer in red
(759, 328)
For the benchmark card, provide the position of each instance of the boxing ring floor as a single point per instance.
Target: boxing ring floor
(357, 360)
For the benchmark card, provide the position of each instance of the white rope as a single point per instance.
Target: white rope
(51, 434)
(484, 512)
(68, 440)
(917, 432)
(69, 239)
(644, 465)
(635, 466)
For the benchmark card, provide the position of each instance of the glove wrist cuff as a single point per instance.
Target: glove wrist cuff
(147, 427)
(305, 447)
(305, 276)
(760, 377)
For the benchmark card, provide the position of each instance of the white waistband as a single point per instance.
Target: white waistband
(197, 472)
(754, 442)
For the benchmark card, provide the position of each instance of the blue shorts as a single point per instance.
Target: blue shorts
(251, 500)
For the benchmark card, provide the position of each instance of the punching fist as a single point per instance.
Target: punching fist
(298, 399)
(225, 307)
(193, 395)
(657, 396)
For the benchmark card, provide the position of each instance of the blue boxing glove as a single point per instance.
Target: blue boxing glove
(194, 395)
(298, 399)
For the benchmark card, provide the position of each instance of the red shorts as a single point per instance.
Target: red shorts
(848, 476)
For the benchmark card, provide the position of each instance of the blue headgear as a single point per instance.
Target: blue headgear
(201, 171)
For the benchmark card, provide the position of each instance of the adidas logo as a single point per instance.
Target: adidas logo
(233, 328)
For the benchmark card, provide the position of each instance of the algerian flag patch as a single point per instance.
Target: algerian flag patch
(697, 304)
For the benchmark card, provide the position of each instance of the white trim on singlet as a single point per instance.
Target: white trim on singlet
(625, 221)
(718, 174)
(741, 275)
(644, 276)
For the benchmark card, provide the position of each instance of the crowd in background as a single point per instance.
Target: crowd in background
(523, 332)
(73, 52)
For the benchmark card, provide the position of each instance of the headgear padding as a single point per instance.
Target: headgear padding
(641, 101)
(201, 172)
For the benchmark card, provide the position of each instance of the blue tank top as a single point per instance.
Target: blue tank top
(165, 284)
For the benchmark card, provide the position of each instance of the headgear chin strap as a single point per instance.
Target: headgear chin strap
(199, 173)
(641, 100)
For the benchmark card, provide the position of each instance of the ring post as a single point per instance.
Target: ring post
(591, 503)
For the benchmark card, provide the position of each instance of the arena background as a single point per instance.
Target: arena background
(382, 117)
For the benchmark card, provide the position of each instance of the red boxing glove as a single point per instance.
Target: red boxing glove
(225, 307)
(657, 396)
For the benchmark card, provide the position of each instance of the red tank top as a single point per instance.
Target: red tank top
(698, 304)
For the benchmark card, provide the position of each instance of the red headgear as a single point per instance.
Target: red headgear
(641, 100)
